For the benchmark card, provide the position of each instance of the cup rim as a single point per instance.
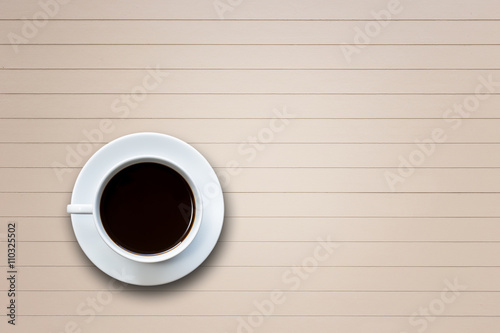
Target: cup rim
(156, 257)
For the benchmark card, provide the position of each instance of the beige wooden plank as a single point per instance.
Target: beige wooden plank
(235, 303)
(256, 9)
(271, 324)
(258, 81)
(248, 57)
(240, 130)
(273, 155)
(240, 106)
(299, 204)
(324, 279)
(278, 180)
(267, 32)
(293, 253)
(46, 229)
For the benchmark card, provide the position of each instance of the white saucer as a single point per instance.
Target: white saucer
(165, 147)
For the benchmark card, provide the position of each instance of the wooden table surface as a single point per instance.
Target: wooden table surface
(357, 143)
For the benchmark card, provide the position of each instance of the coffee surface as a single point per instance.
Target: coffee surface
(147, 208)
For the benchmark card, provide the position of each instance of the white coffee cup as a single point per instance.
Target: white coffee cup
(93, 208)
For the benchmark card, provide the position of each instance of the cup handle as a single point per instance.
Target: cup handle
(79, 209)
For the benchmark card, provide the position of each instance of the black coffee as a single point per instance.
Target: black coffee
(147, 208)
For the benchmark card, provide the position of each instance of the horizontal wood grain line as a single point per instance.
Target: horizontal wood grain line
(237, 118)
(295, 192)
(283, 266)
(274, 315)
(247, 291)
(341, 216)
(298, 241)
(260, 93)
(292, 217)
(269, 19)
(267, 144)
(243, 69)
(300, 217)
(284, 167)
(251, 44)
